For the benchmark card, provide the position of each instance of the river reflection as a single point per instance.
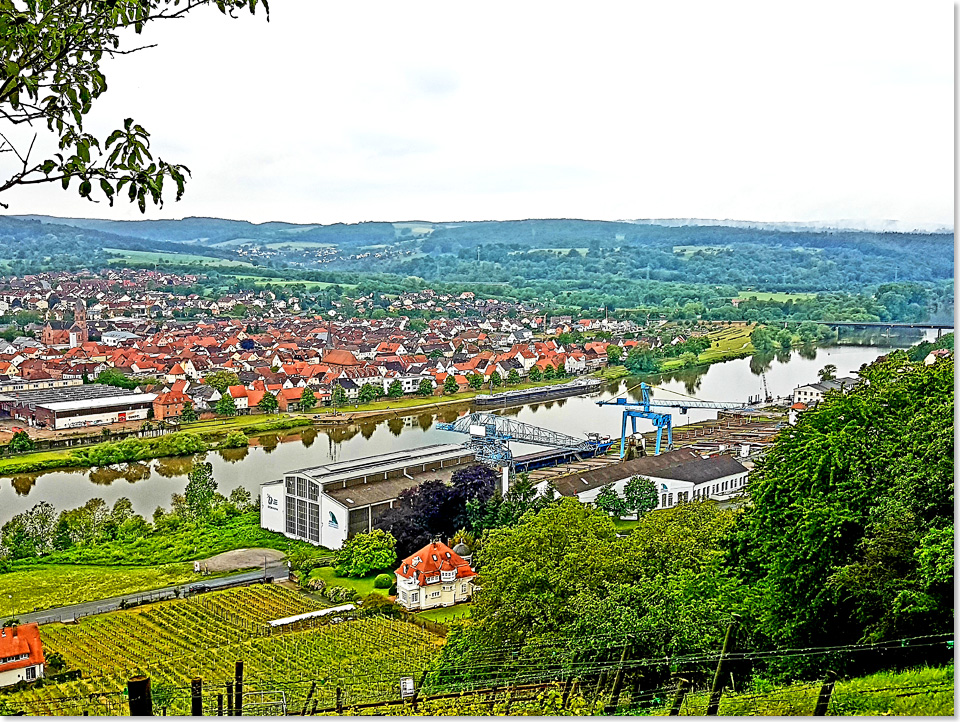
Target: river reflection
(151, 483)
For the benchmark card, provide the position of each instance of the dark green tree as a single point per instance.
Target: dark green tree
(368, 393)
(221, 380)
(268, 403)
(200, 491)
(308, 399)
(21, 443)
(226, 406)
(640, 495)
(189, 414)
(425, 388)
(450, 386)
(395, 390)
(611, 502)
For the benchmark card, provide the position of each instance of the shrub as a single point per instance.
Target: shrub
(366, 553)
(317, 584)
(383, 581)
(378, 604)
(235, 440)
(340, 595)
(21, 443)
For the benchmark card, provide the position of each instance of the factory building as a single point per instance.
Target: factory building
(76, 406)
(328, 504)
(680, 475)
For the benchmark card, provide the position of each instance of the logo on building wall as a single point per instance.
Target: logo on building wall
(272, 503)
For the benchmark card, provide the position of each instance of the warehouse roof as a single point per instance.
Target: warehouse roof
(680, 464)
(68, 393)
(381, 463)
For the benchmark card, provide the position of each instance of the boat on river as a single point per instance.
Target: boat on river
(577, 387)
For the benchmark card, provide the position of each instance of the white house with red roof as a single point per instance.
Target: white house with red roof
(436, 576)
(21, 654)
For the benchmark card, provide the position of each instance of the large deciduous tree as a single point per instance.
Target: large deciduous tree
(849, 534)
(201, 488)
(562, 578)
(226, 406)
(437, 509)
(308, 399)
(268, 403)
(221, 380)
(365, 553)
(640, 495)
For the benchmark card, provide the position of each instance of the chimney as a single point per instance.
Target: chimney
(14, 631)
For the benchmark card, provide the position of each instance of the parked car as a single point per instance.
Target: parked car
(199, 588)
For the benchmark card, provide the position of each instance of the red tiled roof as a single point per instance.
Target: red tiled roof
(430, 561)
(15, 641)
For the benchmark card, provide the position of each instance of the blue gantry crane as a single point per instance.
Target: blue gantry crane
(643, 409)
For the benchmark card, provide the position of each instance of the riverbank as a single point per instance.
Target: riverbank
(150, 484)
(196, 438)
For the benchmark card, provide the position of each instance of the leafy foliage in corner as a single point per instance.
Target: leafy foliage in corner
(50, 73)
(850, 534)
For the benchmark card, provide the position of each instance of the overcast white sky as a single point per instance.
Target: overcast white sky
(381, 110)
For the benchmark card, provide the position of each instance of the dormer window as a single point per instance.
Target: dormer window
(448, 576)
(416, 560)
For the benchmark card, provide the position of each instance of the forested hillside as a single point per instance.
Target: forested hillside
(848, 540)
(683, 271)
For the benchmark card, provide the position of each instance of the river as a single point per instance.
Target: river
(151, 483)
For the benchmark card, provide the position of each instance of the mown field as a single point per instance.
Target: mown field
(56, 585)
(776, 296)
(121, 256)
(175, 642)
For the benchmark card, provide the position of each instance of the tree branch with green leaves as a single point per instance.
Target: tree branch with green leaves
(50, 73)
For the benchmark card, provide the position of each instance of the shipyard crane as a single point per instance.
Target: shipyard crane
(490, 437)
(661, 420)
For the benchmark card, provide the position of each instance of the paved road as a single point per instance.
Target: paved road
(277, 570)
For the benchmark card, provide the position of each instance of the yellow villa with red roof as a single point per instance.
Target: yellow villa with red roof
(436, 576)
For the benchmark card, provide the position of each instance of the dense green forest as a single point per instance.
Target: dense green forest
(681, 272)
(848, 540)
